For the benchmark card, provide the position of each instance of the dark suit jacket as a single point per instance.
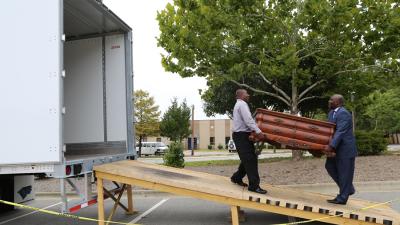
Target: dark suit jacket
(343, 140)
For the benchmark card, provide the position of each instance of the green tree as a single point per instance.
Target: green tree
(175, 122)
(293, 53)
(146, 116)
(384, 111)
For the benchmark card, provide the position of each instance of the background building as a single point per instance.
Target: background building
(206, 132)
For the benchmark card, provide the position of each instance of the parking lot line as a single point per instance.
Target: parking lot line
(137, 219)
(18, 217)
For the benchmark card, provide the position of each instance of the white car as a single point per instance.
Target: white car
(231, 146)
(152, 148)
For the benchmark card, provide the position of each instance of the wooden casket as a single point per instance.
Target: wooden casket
(294, 132)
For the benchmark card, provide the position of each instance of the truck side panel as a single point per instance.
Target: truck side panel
(30, 81)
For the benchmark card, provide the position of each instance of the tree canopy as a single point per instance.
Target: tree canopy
(383, 110)
(292, 52)
(175, 122)
(146, 116)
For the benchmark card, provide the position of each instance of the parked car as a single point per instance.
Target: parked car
(152, 148)
(231, 146)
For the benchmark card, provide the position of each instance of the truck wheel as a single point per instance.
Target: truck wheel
(6, 192)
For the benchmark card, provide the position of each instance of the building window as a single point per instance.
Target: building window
(212, 140)
(158, 139)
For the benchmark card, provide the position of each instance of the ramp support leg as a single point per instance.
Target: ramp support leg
(117, 202)
(100, 200)
(130, 200)
(235, 214)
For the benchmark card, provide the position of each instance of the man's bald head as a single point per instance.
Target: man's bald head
(339, 98)
(239, 92)
(242, 94)
(335, 101)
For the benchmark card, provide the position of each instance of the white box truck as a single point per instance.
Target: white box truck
(66, 82)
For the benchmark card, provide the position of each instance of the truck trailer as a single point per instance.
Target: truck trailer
(66, 84)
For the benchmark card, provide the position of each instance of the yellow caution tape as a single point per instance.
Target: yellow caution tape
(62, 214)
(122, 223)
(331, 216)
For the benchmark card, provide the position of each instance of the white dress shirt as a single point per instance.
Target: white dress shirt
(334, 112)
(242, 119)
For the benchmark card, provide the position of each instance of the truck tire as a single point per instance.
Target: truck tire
(6, 192)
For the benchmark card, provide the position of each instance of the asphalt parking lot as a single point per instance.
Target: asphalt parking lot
(163, 209)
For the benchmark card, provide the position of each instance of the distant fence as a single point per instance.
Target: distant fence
(394, 138)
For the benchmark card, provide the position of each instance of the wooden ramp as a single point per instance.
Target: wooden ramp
(284, 201)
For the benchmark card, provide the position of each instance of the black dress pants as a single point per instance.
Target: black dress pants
(342, 172)
(248, 160)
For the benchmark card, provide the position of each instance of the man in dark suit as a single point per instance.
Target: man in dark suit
(341, 151)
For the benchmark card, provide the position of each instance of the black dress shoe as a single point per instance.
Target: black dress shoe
(240, 183)
(352, 193)
(258, 190)
(335, 201)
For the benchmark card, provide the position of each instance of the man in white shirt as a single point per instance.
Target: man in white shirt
(243, 125)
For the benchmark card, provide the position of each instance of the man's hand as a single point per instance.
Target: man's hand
(260, 136)
(328, 148)
(329, 151)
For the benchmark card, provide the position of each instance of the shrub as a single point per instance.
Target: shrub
(210, 147)
(174, 156)
(370, 142)
(220, 147)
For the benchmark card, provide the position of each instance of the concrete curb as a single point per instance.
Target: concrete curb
(324, 188)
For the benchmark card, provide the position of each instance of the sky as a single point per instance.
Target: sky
(149, 75)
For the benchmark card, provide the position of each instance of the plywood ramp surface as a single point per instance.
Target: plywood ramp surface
(221, 186)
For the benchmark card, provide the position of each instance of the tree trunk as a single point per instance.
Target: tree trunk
(296, 154)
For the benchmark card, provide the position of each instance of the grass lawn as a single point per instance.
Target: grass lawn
(236, 162)
(207, 150)
(231, 162)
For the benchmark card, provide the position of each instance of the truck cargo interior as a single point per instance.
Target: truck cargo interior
(94, 90)
(65, 94)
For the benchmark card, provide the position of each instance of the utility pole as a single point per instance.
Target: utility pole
(192, 144)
